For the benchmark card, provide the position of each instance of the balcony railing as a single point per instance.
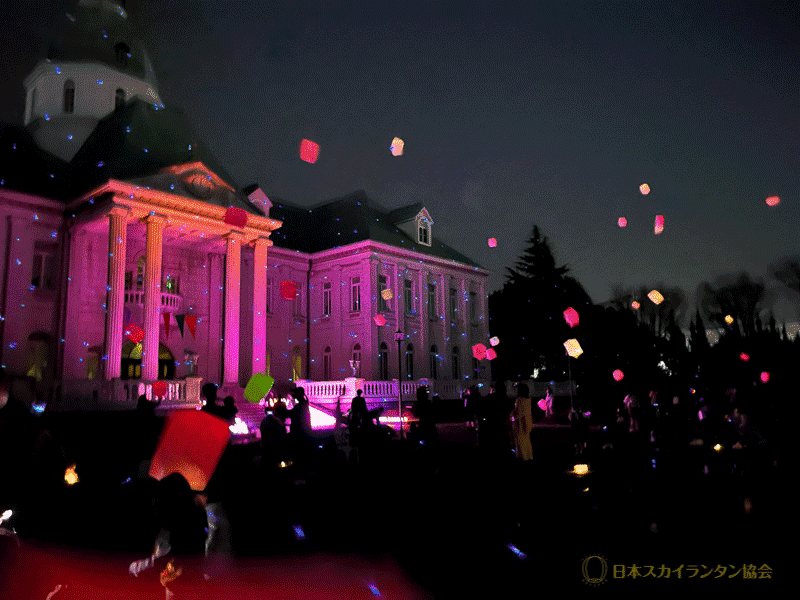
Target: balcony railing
(171, 303)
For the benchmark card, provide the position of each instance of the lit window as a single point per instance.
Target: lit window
(355, 294)
(423, 233)
(408, 295)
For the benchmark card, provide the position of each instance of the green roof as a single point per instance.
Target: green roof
(348, 220)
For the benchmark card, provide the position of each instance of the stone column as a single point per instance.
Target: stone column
(232, 301)
(73, 349)
(422, 307)
(152, 295)
(213, 360)
(19, 268)
(115, 288)
(259, 305)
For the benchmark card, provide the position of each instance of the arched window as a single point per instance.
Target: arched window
(357, 360)
(383, 362)
(119, 99)
(410, 361)
(326, 364)
(297, 363)
(122, 52)
(69, 96)
(456, 366)
(38, 351)
(434, 360)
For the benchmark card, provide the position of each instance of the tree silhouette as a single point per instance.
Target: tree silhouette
(787, 271)
(738, 297)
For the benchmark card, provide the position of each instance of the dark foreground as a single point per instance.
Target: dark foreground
(422, 521)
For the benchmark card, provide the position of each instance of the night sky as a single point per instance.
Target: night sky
(512, 113)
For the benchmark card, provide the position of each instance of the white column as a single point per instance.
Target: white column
(73, 368)
(422, 352)
(213, 360)
(115, 286)
(259, 305)
(15, 332)
(152, 295)
(232, 301)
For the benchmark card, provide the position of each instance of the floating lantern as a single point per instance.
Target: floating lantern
(159, 389)
(542, 404)
(494, 341)
(288, 290)
(492, 242)
(645, 189)
(718, 447)
(618, 375)
(573, 348)
(728, 319)
(380, 320)
(259, 386)
(744, 357)
(773, 201)
(659, 227)
(134, 333)
(655, 297)
(309, 151)
(622, 221)
(70, 476)
(571, 316)
(236, 217)
(397, 147)
(635, 305)
(580, 469)
(387, 294)
(764, 377)
(479, 351)
(491, 354)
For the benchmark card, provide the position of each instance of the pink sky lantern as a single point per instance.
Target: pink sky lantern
(288, 290)
(491, 354)
(645, 189)
(236, 217)
(159, 389)
(655, 297)
(744, 357)
(573, 348)
(622, 221)
(259, 386)
(494, 340)
(618, 375)
(309, 151)
(542, 404)
(571, 316)
(397, 146)
(659, 224)
(492, 242)
(387, 294)
(134, 333)
(479, 351)
(635, 305)
(773, 201)
(380, 320)
(764, 377)
(191, 444)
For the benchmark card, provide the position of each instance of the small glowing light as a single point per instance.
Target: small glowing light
(492, 242)
(618, 375)
(100, 81)
(517, 551)
(718, 447)
(387, 294)
(659, 226)
(573, 348)
(494, 341)
(580, 469)
(764, 377)
(239, 427)
(571, 317)
(6, 515)
(397, 146)
(744, 357)
(58, 71)
(70, 476)
(491, 354)
(728, 319)
(374, 590)
(645, 189)
(309, 151)
(622, 221)
(299, 533)
(773, 201)
(380, 320)
(635, 305)
(479, 351)
(655, 297)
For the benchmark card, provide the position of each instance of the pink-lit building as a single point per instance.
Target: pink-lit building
(116, 216)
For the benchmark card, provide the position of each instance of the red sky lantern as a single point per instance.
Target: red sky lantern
(380, 320)
(571, 316)
(744, 357)
(309, 151)
(479, 351)
(773, 201)
(618, 375)
(288, 290)
(492, 242)
(236, 217)
(491, 354)
(659, 224)
(764, 377)
(622, 221)
(134, 333)
(159, 389)
(635, 305)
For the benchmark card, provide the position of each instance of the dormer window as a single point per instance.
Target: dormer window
(423, 233)
(69, 96)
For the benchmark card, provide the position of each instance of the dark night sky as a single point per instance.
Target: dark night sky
(512, 113)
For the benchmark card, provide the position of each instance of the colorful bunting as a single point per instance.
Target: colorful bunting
(309, 151)
(259, 386)
(191, 321)
(179, 321)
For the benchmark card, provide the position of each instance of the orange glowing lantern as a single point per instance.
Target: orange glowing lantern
(380, 320)
(580, 469)
(494, 340)
(622, 221)
(645, 189)
(655, 297)
(387, 294)
(492, 242)
(618, 375)
(573, 348)
(236, 217)
(309, 151)
(571, 316)
(397, 146)
(479, 351)
(635, 305)
(728, 319)
(659, 227)
(70, 476)
(773, 201)
(288, 290)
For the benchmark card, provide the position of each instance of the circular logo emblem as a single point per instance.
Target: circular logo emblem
(594, 569)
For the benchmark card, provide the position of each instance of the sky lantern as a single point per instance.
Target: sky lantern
(655, 297)
(236, 217)
(622, 221)
(479, 351)
(635, 305)
(134, 333)
(259, 386)
(159, 389)
(491, 354)
(70, 476)
(397, 146)
(659, 227)
(744, 357)
(387, 294)
(492, 242)
(728, 319)
(618, 375)
(645, 189)
(773, 201)
(380, 320)
(571, 316)
(764, 377)
(573, 348)
(494, 340)
(309, 151)
(288, 290)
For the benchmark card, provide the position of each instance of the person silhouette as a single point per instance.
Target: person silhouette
(300, 432)
(209, 392)
(523, 423)
(228, 410)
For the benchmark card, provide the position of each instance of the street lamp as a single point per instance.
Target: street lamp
(398, 337)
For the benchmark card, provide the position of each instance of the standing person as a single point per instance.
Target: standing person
(523, 422)
(228, 411)
(548, 402)
(273, 436)
(209, 392)
(300, 425)
(427, 425)
(632, 404)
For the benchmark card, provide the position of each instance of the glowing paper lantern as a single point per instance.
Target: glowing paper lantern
(191, 444)
(387, 294)
(309, 151)
(580, 469)
(728, 319)
(491, 354)
(571, 316)
(644, 188)
(764, 377)
(494, 341)
(259, 386)
(134, 333)
(136, 352)
(655, 297)
(618, 375)
(236, 217)
(573, 348)
(773, 200)
(542, 404)
(397, 146)
(159, 389)
(744, 357)
(635, 305)
(70, 476)
(622, 221)
(288, 290)
(492, 242)
(659, 224)
(380, 320)
(479, 351)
